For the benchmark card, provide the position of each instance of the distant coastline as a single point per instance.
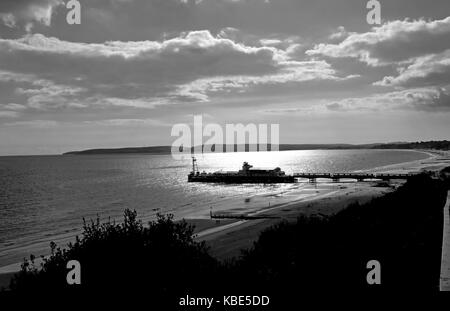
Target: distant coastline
(436, 145)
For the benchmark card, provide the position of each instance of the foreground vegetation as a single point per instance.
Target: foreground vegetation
(402, 230)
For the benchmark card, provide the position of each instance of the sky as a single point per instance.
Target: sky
(133, 68)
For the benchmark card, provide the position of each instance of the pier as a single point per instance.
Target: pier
(250, 175)
(358, 176)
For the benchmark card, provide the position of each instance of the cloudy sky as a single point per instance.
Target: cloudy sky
(133, 68)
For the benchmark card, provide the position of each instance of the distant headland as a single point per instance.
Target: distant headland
(437, 145)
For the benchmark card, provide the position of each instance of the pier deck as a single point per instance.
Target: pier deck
(357, 176)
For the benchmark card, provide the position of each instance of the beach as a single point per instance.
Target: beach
(227, 242)
(227, 237)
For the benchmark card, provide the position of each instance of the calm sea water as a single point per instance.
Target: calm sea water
(43, 197)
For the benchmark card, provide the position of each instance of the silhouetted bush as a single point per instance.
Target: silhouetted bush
(445, 176)
(161, 260)
(402, 230)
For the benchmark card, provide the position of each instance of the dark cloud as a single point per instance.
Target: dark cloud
(437, 102)
(26, 13)
(428, 70)
(185, 68)
(430, 99)
(419, 50)
(151, 19)
(393, 42)
(334, 107)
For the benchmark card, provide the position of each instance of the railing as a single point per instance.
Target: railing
(353, 175)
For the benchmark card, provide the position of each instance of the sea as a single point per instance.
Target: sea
(45, 198)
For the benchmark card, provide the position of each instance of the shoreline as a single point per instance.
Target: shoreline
(227, 237)
(409, 165)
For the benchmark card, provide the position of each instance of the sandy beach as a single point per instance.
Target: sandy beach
(227, 237)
